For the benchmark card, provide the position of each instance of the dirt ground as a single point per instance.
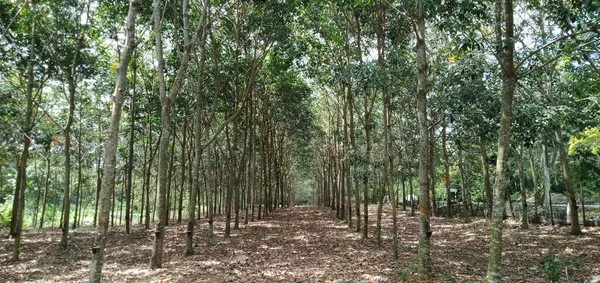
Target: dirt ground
(305, 244)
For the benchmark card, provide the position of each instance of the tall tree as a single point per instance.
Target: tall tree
(505, 51)
(167, 101)
(16, 227)
(189, 247)
(110, 151)
(418, 23)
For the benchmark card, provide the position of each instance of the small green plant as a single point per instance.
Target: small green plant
(551, 266)
(445, 277)
(407, 271)
(5, 213)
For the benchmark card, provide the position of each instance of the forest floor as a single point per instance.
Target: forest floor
(306, 244)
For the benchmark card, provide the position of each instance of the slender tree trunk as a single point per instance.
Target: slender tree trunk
(387, 175)
(447, 173)
(21, 183)
(54, 200)
(98, 183)
(163, 152)
(110, 153)
(72, 86)
(464, 189)
(346, 162)
(112, 210)
(170, 178)
(353, 137)
(410, 191)
(509, 81)
(367, 156)
(146, 197)
(572, 202)
(166, 126)
(79, 177)
(424, 260)
(536, 217)
(487, 187)
(129, 182)
(547, 183)
(524, 216)
(582, 197)
(434, 205)
(47, 184)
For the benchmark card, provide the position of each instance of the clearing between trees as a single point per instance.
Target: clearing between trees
(305, 244)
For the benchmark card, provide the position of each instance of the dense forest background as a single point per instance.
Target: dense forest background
(121, 113)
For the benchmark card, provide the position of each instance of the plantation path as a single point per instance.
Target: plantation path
(304, 244)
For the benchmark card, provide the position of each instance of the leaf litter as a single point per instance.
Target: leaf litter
(304, 244)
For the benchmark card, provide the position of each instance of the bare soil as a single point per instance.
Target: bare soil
(305, 244)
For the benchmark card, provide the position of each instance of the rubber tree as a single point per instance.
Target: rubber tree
(110, 146)
(417, 15)
(167, 101)
(509, 81)
(189, 247)
(18, 208)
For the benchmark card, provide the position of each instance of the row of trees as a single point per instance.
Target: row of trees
(235, 150)
(287, 94)
(541, 64)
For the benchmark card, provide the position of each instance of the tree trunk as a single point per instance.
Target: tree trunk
(447, 173)
(166, 126)
(170, 177)
(98, 182)
(536, 217)
(547, 183)
(18, 208)
(464, 190)
(582, 198)
(424, 259)
(110, 153)
(129, 182)
(79, 177)
(387, 175)
(486, 177)
(572, 202)
(410, 191)
(46, 185)
(509, 81)
(434, 204)
(367, 126)
(524, 216)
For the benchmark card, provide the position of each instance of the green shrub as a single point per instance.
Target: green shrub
(551, 266)
(5, 213)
